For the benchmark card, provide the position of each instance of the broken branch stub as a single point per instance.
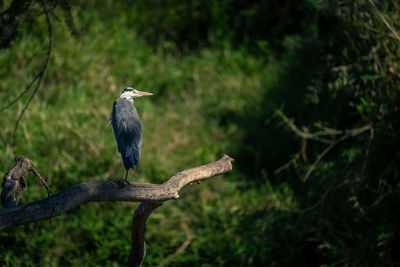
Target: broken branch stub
(14, 181)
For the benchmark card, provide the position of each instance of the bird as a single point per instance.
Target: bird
(127, 127)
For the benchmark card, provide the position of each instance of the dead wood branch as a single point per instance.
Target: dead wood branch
(65, 200)
(37, 79)
(138, 250)
(181, 248)
(14, 181)
(305, 134)
(349, 133)
(151, 196)
(335, 137)
(69, 198)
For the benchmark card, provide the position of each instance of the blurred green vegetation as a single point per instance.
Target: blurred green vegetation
(219, 71)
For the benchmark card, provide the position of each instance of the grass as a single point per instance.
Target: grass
(65, 132)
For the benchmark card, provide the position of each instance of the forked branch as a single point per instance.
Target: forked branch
(57, 204)
(151, 196)
(332, 137)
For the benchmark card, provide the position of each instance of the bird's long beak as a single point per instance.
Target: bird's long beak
(144, 93)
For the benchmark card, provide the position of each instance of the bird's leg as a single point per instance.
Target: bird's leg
(126, 176)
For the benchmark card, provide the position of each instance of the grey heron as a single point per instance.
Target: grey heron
(127, 128)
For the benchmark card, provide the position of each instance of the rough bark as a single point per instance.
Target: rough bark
(138, 250)
(151, 196)
(14, 181)
(65, 200)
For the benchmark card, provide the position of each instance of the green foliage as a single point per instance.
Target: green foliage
(252, 24)
(219, 71)
(65, 132)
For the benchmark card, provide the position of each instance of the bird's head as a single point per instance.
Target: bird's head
(131, 93)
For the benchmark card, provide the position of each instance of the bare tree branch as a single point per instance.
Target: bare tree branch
(69, 198)
(14, 181)
(151, 195)
(39, 75)
(181, 248)
(304, 134)
(341, 135)
(38, 78)
(138, 250)
(41, 180)
(349, 133)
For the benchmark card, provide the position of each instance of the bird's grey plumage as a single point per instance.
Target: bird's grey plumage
(128, 132)
(127, 128)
